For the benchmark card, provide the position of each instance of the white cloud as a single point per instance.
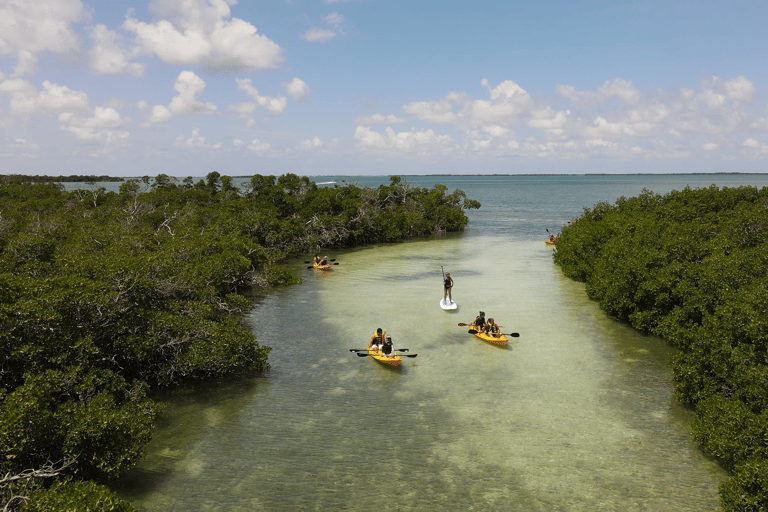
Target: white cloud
(109, 57)
(28, 28)
(274, 104)
(190, 87)
(101, 128)
(318, 35)
(423, 141)
(22, 144)
(296, 88)
(334, 19)
(160, 114)
(309, 144)
(750, 143)
(26, 100)
(738, 89)
(194, 141)
(258, 147)
(619, 88)
(379, 119)
(440, 111)
(200, 32)
(709, 146)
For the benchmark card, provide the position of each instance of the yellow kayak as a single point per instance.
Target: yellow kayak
(499, 339)
(321, 267)
(391, 360)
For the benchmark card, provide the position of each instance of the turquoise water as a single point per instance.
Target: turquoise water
(577, 413)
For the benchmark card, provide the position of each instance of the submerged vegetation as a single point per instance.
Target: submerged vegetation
(692, 267)
(105, 296)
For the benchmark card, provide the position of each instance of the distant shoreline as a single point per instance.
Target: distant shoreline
(104, 178)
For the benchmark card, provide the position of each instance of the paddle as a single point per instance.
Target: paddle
(511, 334)
(360, 354)
(474, 331)
(365, 349)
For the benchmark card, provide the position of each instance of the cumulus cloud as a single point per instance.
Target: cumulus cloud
(619, 88)
(296, 88)
(190, 87)
(194, 141)
(101, 128)
(379, 119)
(440, 111)
(309, 144)
(334, 19)
(203, 32)
(616, 120)
(52, 99)
(259, 147)
(750, 143)
(22, 144)
(318, 35)
(274, 104)
(108, 56)
(28, 28)
(422, 141)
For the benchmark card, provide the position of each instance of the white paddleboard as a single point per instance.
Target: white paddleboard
(451, 305)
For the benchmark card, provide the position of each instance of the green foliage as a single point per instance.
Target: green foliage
(692, 267)
(68, 495)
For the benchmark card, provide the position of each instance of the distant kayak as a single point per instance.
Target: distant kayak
(327, 266)
(447, 305)
(391, 360)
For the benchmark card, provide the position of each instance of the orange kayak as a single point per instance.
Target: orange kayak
(500, 340)
(393, 360)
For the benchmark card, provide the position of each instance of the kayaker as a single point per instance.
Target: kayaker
(479, 322)
(447, 285)
(388, 348)
(317, 260)
(324, 261)
(377, 340)
(492, 328)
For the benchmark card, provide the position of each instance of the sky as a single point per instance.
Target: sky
(382, 87)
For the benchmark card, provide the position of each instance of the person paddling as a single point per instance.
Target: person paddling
(388, 349)
(377, 340)
(479, 322)
(491, 328)
(447, 285)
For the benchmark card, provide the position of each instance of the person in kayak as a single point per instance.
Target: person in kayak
(317, 260)
(479, 322)
(324, 261)
(388, 349)
(377, 340)
(491, 328)
(447, 285)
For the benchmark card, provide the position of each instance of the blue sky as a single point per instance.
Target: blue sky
(356, 87)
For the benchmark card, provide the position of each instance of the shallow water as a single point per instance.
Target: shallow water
(577, 413)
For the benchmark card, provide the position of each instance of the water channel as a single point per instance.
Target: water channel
(575, 414)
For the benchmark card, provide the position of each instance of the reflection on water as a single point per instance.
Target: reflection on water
(575, 414)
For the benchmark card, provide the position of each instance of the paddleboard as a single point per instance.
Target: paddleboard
(452, 304)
